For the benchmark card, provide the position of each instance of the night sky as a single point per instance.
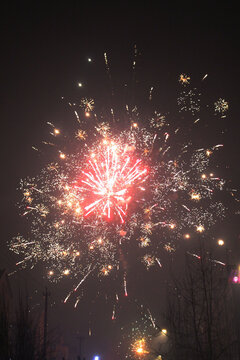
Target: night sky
(44, 52)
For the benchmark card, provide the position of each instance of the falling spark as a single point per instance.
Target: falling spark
(125, 285)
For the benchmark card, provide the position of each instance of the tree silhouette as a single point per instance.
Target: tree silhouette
(201, 311)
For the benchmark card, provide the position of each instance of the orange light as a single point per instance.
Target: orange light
(122, 232)
(139, 347)
(200, 228)
(195, 196)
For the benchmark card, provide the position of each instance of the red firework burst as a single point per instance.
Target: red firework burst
(108, 181)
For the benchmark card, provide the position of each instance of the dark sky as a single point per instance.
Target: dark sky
(44, 51)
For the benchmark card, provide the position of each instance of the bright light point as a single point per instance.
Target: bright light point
(77, 253)
(56, 131)
(78, 210)
(204, 176)
(187, 236)
(62, 156)
(208, 152)
(135, 125)
(81, 134)
(66, 272)
(200, 228)
(195, 196)
(110, 267)
(100, 241)
(235, 279)
(80, 84)
(164, 331)
(96, 357)
(87, 114)
(184, 79)
(51, 273)
(220, 242)
(139, 347)
(105, 271)
(89, 60)
(172, 226)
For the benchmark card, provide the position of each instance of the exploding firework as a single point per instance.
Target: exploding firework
(107, 185)
(138, 337)
(108, 181)
(139, 347)
(221, 106)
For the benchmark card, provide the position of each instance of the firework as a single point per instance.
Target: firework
(109, 180)
(109, 185)
(139, 347)
(136, 340)
(184, 79)
(221, 106)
